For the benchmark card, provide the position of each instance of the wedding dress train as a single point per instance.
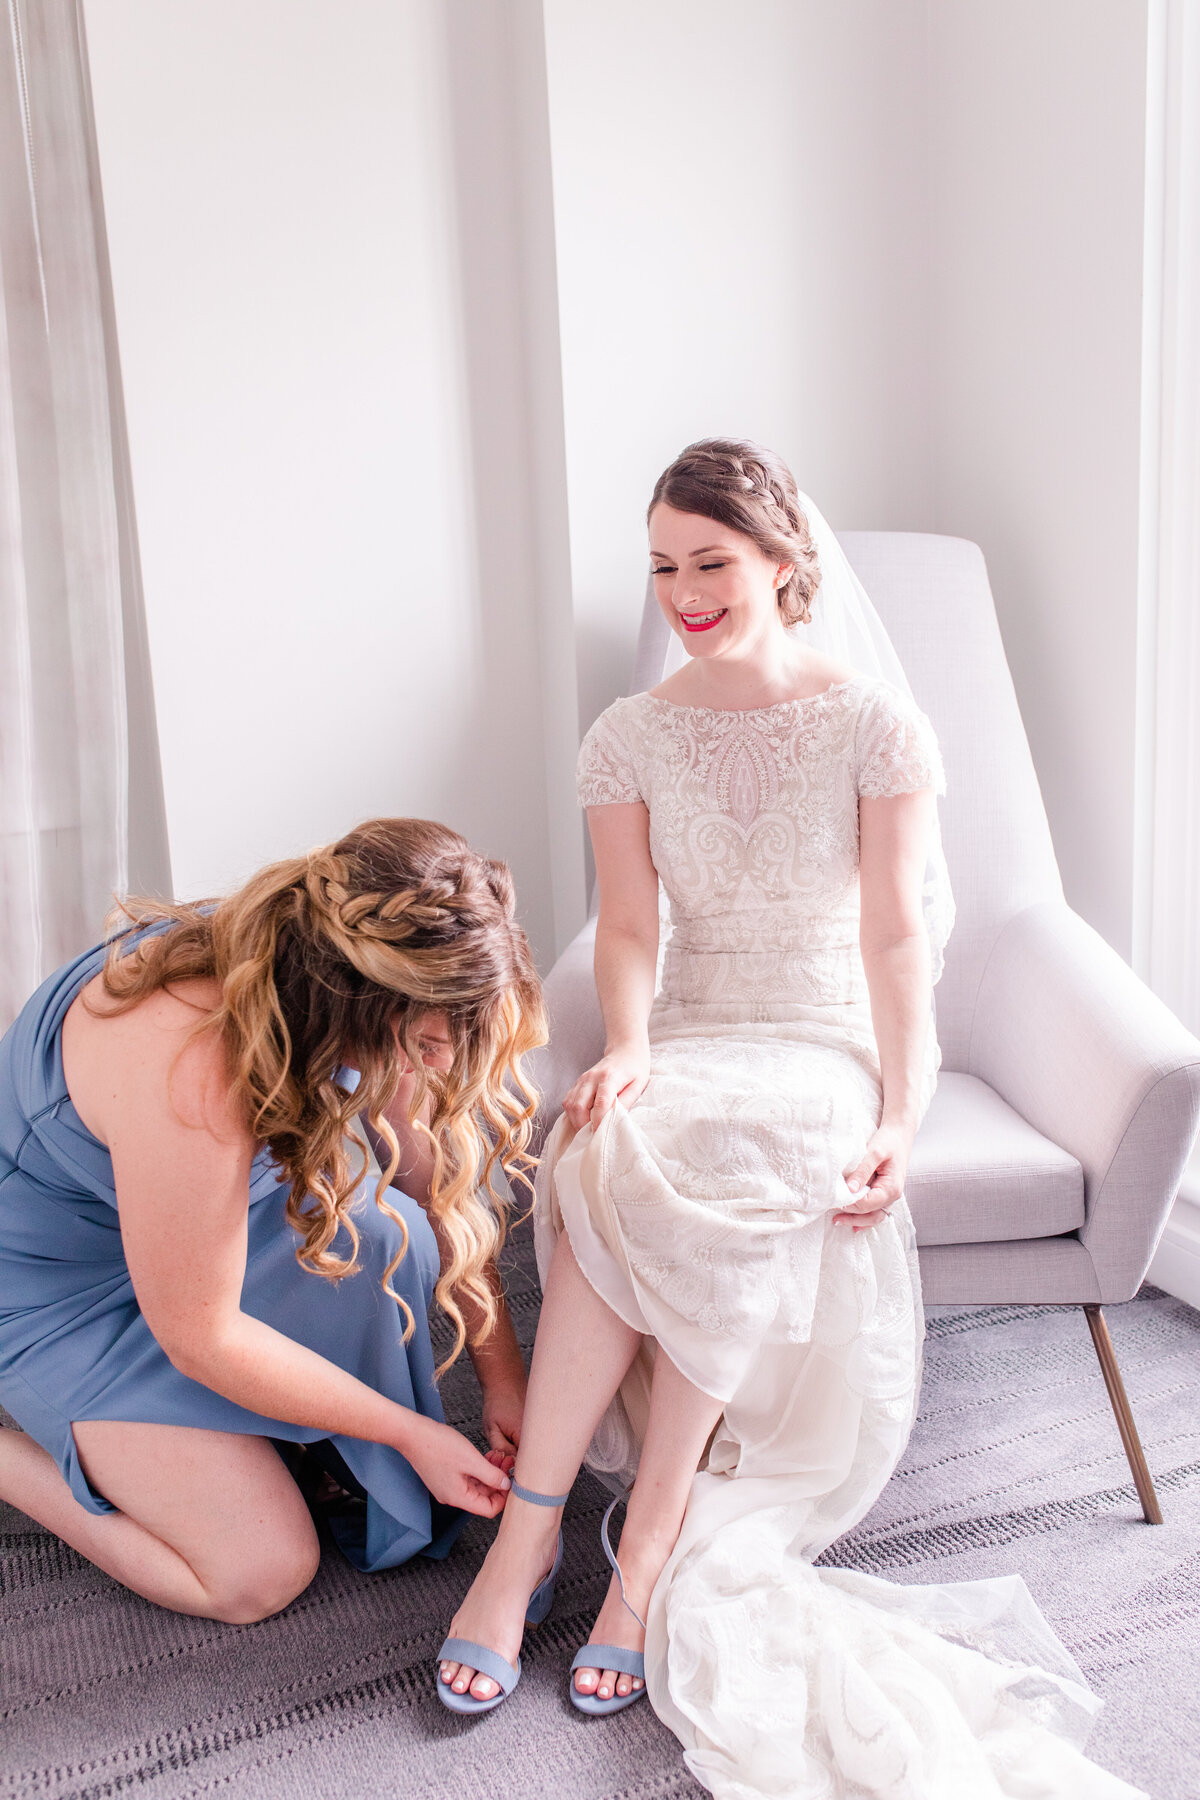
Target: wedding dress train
(704, 1216)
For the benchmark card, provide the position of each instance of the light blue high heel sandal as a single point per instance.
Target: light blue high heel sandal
(490, 1662)
(610, 1656)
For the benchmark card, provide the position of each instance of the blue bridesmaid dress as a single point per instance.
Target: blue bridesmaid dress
(73, 1342)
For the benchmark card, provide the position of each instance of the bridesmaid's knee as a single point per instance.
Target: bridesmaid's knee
(265, 1584)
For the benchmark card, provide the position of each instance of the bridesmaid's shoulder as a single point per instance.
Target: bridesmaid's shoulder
(151, 1050)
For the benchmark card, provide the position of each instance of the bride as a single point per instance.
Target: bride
(732, 1310)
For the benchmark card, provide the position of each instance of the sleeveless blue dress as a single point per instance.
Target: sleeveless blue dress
(73, 1342)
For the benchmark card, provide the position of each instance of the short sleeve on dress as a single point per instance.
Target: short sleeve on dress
(604, 774)
(897, 750)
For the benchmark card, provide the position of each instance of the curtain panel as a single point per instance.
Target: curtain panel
(81, 804)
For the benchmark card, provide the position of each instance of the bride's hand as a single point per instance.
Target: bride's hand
(877, 1180)
(621, 1074)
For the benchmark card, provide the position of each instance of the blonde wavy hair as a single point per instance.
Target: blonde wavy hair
(334, 958)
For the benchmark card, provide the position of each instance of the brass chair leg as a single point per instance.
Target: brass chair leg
(1098, 1326)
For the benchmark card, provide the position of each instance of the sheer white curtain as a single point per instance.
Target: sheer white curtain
(1169, 726)
(81, 811)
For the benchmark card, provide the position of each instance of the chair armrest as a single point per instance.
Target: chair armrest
(1067, 1034)
(576, 1028)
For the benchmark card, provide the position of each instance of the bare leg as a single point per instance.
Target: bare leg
(681, 1419)
(582, 1352)
(209, 1522)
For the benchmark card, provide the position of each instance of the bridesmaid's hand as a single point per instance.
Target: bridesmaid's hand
(877, 1180)
(621, 1074)
(452, 1469)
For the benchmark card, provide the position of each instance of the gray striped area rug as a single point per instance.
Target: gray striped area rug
(1015, 1465)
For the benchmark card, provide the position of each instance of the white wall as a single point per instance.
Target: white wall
(740, 201)
(344, 580)
(899, 240)
(1037, 158)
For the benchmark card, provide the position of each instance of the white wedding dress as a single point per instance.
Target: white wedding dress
(704, 1217)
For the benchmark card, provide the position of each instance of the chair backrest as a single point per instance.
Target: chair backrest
(932, 594)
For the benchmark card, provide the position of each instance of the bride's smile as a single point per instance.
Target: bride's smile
(725, 596)
(716, 585)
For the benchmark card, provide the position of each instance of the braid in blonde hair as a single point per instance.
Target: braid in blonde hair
(749, 489)
(334, 958)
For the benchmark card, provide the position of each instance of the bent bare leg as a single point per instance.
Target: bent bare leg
(582, 1353)
(208, 1522)
(681, 1419)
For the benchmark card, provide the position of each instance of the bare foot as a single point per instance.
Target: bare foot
(493, 1611)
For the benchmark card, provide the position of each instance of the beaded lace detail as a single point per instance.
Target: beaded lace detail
(754, 829)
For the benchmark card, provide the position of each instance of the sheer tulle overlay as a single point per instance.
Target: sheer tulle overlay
(704, 1216)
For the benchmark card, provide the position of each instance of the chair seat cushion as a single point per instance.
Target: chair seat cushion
(980, 1174)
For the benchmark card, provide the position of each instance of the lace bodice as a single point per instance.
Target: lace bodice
(754, 831)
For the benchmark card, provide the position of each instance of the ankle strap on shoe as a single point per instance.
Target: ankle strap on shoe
(606, 1541)
(535, 1499)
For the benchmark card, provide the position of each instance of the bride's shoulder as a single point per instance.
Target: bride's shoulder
(616, 730)
(823, 672)
(674, 689)
(611, 765)
(882, 699)
(619, 715)
(896, 746)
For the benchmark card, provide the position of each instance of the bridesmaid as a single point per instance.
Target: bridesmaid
(190, 1265)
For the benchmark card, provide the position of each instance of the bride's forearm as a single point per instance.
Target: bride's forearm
(898, 981)
(893, 836)
(626, 964)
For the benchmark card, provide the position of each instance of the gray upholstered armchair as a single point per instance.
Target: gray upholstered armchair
(1069, 1095)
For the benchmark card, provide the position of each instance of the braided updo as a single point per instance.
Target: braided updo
(324, 960)
(748, 489)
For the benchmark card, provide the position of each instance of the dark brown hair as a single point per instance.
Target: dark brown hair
(748, 489)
